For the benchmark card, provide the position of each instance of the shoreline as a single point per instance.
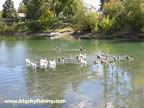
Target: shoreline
(86, 35)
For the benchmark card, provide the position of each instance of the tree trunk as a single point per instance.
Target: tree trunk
(53, 8)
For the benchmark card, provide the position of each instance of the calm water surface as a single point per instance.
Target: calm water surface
(116, 85)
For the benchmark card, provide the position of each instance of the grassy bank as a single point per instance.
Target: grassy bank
(18, 26)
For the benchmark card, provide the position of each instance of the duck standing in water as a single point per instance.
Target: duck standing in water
(105, 58)
(52, 64)
(116, 58)
(34, 65)
(83, 61)
(83, 56)
(82, 49)
(132, 58)
(27, 61)
(103, 61)
(98, 56)
(61, 60)
(43, 63)
(78, 58)
(129, 58)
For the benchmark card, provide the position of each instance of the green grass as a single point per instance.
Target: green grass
(67, 29)
(0, 14)
(33, 26)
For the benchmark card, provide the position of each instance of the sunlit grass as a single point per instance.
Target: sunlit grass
(67, 29)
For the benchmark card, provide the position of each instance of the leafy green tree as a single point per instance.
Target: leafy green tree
(85, 20)
(107, 24)
(22, 8)
(25, 2)
(133, 17)
(53, 6)
(8, 9)
(33, 9)
(102, 3)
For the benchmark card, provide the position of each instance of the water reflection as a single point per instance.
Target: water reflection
(104, 86)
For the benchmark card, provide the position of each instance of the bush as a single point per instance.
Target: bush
(7, 28)
(34, 26)
(107, 24)
(21, 27)
(47, 18)
(86, 21)
(114, 9)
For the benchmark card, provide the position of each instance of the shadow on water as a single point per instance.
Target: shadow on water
(127, 41)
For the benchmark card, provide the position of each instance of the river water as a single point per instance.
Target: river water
(115, 85)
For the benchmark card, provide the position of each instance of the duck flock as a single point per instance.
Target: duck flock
(81, 59)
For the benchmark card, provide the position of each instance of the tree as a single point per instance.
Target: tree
(22, 8)
(133, 16)
(33, 9)
(25, 2)
(68, 7)
(53, 6)
(8, 9)
(102, 3)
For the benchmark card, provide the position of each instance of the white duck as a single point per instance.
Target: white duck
(52, 62)
(33, 64)
(43, 65)
(27, 61)
(83, 61)
(83, 56)
(43, 61)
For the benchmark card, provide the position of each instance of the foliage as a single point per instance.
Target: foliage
(43, 15)
(133, 17)
(107, 24)
(25, 2)
(8, 10)
(7, 28)
(34, 26)
(33, 9)
(102, 3)
(113, 8)
(47, 17)
(87, 21)
(66, 7)
(22, 8)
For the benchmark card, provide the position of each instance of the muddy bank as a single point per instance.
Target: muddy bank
(49, 34)
(111, 36)
(86, 35)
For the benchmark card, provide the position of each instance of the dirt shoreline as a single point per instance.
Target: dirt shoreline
(88, 35)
